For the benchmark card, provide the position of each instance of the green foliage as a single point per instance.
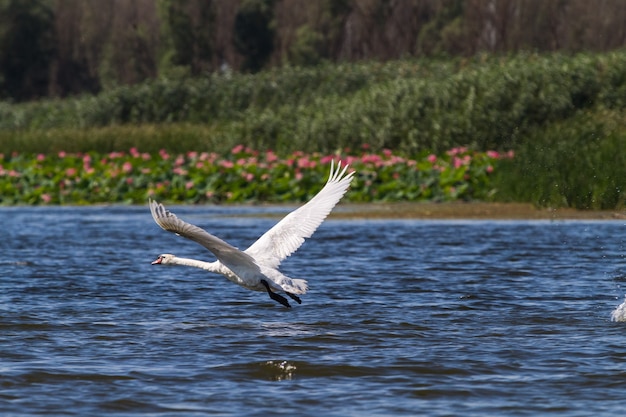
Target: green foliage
(26, 48)
(580, 163)
(305, 50)
(254, 33)
(188, 32)
(563, 115)
(487, 103)
(242, 175)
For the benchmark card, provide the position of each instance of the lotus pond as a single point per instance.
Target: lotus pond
(242, 175)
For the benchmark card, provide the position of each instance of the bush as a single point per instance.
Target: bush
(579, 163)
(488, 103)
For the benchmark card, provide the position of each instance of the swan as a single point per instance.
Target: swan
(256, 268)
(619, 314)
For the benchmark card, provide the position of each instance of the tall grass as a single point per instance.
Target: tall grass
(487, 103)
(175, 137)
(580, 163)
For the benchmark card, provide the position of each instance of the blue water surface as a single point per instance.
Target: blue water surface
(403, 317)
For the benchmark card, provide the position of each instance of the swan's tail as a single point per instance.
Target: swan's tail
(292, 285)
(280, 282)
(295, 286)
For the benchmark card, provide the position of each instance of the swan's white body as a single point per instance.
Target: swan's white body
(619, 314)
(256, 268)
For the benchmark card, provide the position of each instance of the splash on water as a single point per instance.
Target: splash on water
(279, 370)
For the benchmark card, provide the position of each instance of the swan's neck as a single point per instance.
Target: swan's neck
(207, 266)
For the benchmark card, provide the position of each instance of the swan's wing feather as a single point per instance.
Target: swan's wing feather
(239, 262)
(288, 235)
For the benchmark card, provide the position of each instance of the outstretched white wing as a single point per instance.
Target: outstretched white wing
(237, 261)
(288, 235)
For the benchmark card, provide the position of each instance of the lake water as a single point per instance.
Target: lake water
(403, 317)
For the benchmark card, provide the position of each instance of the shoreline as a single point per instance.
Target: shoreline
(469, 210)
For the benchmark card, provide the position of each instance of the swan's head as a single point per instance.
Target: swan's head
(164, 259)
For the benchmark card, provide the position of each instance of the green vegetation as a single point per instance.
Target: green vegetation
(563, 116)
(243, 175)
(578, 163)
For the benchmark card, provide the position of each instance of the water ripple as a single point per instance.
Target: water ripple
(403, 318)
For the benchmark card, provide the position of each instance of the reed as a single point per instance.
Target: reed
(487, 102)
(580, 163)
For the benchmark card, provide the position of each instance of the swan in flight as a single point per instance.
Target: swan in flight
(256, 268)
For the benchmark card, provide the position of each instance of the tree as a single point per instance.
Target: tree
(189, 27)
(254, 33)
(129, 52)
(74, 70)
(26, 48)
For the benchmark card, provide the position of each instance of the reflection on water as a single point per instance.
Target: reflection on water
(403, 317)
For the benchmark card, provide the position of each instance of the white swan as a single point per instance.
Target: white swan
(619, 314)
(256, 268)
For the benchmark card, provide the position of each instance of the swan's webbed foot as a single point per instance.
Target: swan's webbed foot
(276, 297)
(294, 297)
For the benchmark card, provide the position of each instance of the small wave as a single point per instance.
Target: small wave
(284, 370)
(36, 376)
(17, 263)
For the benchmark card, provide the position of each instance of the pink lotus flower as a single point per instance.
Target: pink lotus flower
(432, 158)
(305, 163)
(127, 167)
(326, 159)
(46, 198)
(270, 156)
(457, 151)
(371, 159)
(237, 149)
(41, 157)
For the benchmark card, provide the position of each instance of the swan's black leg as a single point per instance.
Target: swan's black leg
(274, 296)
(294, 297)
